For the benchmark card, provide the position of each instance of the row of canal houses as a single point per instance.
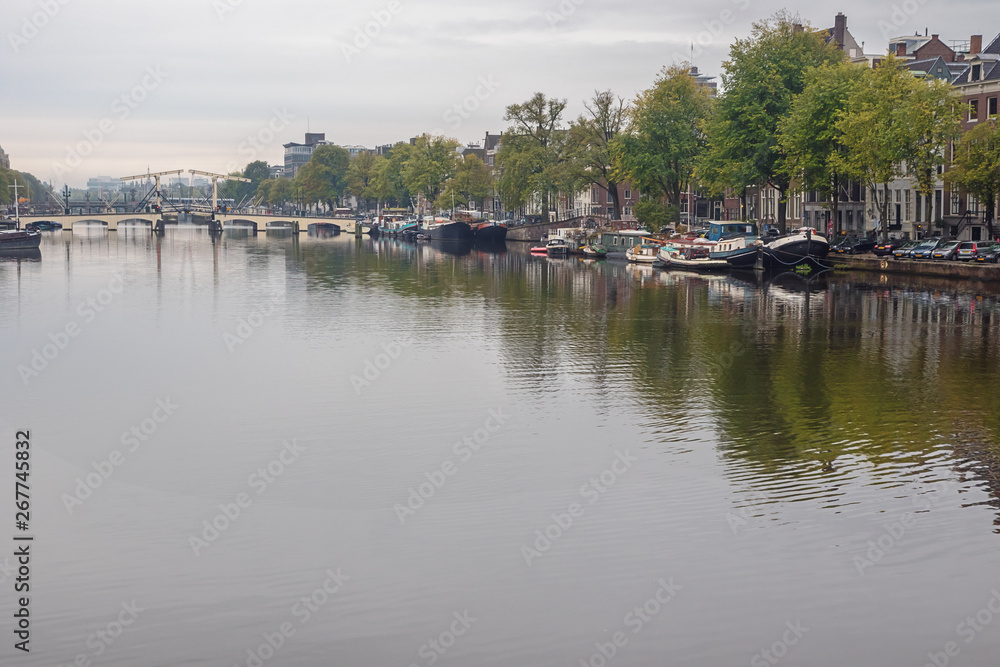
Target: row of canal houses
(968, 65)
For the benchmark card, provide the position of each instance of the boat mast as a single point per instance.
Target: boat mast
(17, 208)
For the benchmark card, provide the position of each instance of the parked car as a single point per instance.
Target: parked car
(926, 247)
(883, 249)
(988, 254)
(903, 251)
(946, 251)
(854, 245)
(969, 249)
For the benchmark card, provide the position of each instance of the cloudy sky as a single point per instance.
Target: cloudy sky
(116, 87)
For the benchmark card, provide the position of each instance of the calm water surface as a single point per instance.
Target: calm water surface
(473, 458)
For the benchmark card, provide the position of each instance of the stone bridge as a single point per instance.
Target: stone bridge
(114, 221)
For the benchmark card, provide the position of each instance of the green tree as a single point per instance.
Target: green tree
(892, 126)
(531, 156)
(932, 114)
(976, 167)
(431, 162)
(659, 152)
(362, 176)
(589, 155)
(809, 136)
(762, 76)
(324, 177)
(472, 183)
(390, 185)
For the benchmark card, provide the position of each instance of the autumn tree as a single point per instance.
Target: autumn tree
(976, 167)
(762, 76)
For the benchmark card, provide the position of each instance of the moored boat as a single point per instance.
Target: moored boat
(595, 251)
(693, 257)
(644, 253)
(557, 247)
(800, 243)
(489, 232)
(23, 239)
(446, 230)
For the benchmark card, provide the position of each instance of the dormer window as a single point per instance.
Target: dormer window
(977, 71)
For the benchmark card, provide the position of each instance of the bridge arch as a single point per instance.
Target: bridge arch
(242, 224)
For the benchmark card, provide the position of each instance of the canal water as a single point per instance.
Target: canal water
(273, 451)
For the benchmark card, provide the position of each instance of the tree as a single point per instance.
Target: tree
(762, 76)
(473, 182)
(893, 122)
(389, 182)
(590, 140)
(933, 115)
(809, 136)
(361, 177)
(531, 153)
(429, 165)
(324, 177)
(659, 152)
(976, 167)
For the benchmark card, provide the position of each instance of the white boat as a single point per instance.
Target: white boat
(644, 253)
(693, 257)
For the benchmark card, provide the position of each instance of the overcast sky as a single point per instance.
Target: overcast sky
(113, 87)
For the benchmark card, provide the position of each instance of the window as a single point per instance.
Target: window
(906, 216)
(973, 205)
(899, 196)
(976, 73)
(628, 193)
(973, 110)
(955, 203)
(595, 197)
(626, 211)
(991, 107)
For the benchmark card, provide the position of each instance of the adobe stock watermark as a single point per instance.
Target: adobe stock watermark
(32, 25)
(593, 490)
(131, 441)
(435, 648)
(59, 341)
(252, 147)
(900, 16)
(121, 108)
(779, 649)
(565, 10)
(635, 620)
(259, 481)
(223, 7)
(463, 450)
(739, 520)
(247, 326)
(100, 641)
(377, 365)
(465, 108)
(893, 532)
(364, 36)
(968, 630)
(714, 29)
(302, 611)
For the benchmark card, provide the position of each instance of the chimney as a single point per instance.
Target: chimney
(975, 44)
(839, 28)
(900, 49)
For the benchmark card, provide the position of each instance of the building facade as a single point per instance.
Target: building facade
(297, 155)
(4, 159)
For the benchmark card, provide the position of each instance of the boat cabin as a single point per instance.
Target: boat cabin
(623, 239)
(721, 229)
